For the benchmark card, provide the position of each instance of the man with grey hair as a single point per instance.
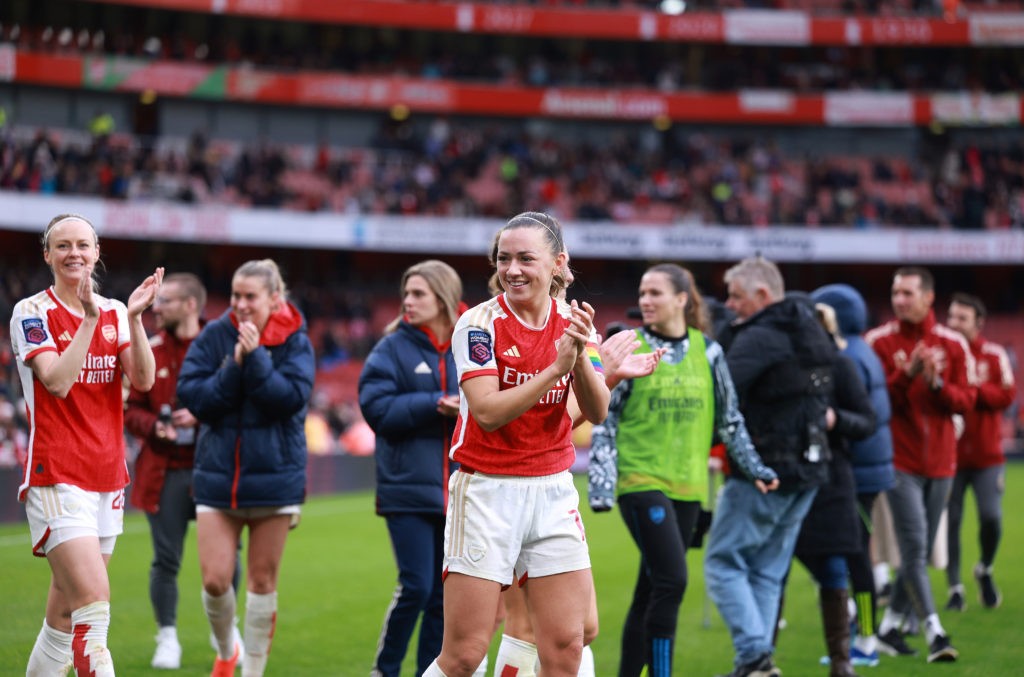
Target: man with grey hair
(780, 359)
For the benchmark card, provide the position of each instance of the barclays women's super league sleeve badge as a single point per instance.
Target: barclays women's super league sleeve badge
(34, 331)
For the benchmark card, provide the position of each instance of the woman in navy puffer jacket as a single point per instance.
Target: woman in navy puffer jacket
(248, 377)
(409, 395)
(871, 457)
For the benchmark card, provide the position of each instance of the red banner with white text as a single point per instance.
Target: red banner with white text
(741, 26)
(420, 95)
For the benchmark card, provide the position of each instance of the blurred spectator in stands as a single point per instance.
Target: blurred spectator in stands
(981, 461)
(682, 178)
(13, 439)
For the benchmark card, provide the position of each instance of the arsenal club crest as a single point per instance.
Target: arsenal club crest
(109, 332)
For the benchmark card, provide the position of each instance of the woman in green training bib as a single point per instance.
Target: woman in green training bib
(651, 453)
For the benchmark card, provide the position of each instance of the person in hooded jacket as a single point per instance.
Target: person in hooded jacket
(830, 535)
(871, 458)
(409, 395)
(248, 378)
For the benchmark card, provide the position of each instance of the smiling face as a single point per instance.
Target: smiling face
(525, 264)
(910, 301)
(661, 305)
(252, 301)
(419, 302)
(71, 251)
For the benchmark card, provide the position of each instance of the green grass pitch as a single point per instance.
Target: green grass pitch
(338, 575)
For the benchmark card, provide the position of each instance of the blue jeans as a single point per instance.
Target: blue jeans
(749, 550)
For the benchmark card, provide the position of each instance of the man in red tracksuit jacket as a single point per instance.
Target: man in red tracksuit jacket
(162, 485)
(981, 463)
(930, 372)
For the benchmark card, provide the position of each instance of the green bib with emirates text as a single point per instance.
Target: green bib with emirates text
(665, 429)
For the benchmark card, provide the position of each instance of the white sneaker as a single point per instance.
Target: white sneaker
(168, 651)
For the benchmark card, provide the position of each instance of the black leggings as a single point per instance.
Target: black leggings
(662, 529)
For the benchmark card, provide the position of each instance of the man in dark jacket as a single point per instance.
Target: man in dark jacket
(871, 457)
(781, 362)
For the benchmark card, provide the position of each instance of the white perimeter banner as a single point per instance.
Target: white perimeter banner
(766, 27)
(437, 235)
(997, 29)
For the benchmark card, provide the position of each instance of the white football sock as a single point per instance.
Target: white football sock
(89, 627)
(433, 671)
(890, 620)
(932, 627)
(221, 613)
(260, 618)
(517, 654)
(51, 653)
(867, 644)
(881, 575)
(586, 663)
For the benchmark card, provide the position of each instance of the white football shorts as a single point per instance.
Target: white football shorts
(499, 527)
(257, 512)
(60, 512)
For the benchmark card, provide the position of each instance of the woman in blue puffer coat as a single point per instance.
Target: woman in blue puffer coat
(871, 457)
(409, 395)
(248, 377)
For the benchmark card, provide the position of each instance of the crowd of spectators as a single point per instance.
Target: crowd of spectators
(525, 61)
(448, 168)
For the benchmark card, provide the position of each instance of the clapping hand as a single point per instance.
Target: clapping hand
(85, 295)
(248, 340)
(621, 362)
(145, 293)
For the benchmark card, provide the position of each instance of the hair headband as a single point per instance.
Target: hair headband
(546, 226)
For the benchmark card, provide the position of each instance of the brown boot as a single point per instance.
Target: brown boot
(835, 617)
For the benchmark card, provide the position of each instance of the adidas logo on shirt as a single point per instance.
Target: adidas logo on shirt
(422, 368)
(512, 352)
(65, 337)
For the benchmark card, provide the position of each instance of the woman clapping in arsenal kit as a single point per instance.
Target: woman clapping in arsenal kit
(513, 509)
(73, 346)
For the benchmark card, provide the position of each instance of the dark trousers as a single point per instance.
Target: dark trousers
(988, 485)
(418, 544)
(662, 529)
(167, 529)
